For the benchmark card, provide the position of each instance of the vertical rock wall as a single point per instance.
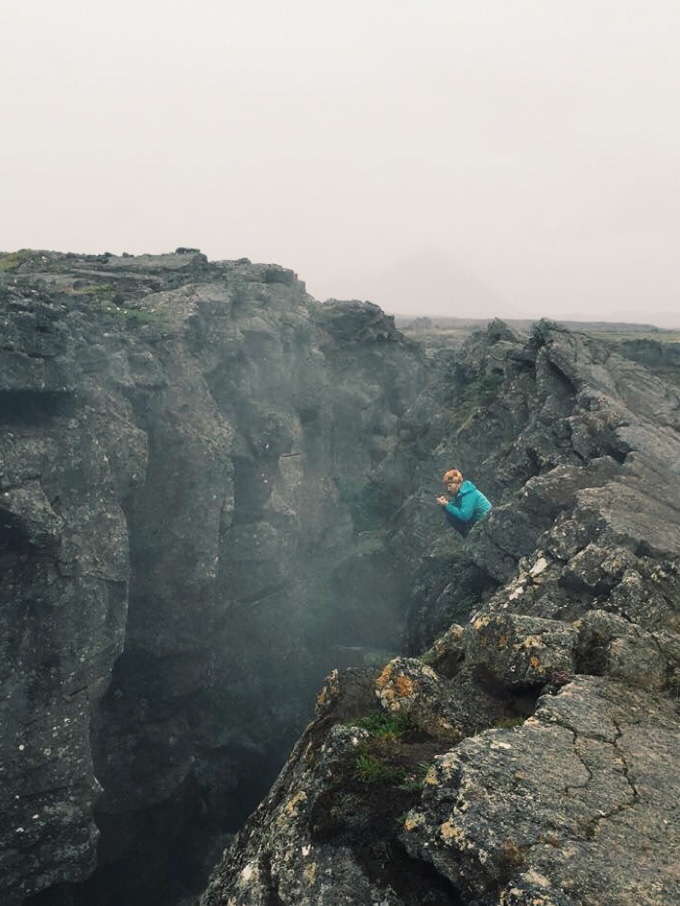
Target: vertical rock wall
(184, 449)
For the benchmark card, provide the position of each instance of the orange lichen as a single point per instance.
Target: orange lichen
(403, 686)
(450, 833)
(431, 778)
(384, 677)
(297, 799)
(413, 820)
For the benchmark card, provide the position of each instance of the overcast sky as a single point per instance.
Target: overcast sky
(460, 157)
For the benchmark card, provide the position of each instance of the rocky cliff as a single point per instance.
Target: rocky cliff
(214, 491)
(524, 752)
(186, 451)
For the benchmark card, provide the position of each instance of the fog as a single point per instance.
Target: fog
(509, 157)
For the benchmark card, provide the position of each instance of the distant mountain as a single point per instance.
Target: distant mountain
(429, 282)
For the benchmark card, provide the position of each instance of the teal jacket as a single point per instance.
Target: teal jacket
(468, 506)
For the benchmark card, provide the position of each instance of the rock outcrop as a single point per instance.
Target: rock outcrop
(215, 490)
(185, 448)
(526, 757)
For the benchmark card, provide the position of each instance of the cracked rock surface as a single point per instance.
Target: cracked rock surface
(578, 805)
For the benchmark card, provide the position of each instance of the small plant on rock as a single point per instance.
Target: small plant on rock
(385, 724)
(372, 770)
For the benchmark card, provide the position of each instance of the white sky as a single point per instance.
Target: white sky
(461, 157)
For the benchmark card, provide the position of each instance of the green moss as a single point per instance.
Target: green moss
(94, 289)
(104, 299)
(137, 316)
(509, 722)
(383, 724)
(385, 763)
(474, 396)
(9, 260)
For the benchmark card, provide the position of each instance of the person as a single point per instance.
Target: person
(463, 504)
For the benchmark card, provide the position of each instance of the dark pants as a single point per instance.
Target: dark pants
(461, 527)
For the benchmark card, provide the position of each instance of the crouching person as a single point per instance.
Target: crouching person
(464, 505)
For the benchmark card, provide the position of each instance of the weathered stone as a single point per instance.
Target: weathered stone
(572, 802)
(556, 808)
(180, 453)
(213, 490)
(521, 651)
(409, 687)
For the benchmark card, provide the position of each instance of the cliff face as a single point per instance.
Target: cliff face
(214, 491)
(526, 758)
(184, 451)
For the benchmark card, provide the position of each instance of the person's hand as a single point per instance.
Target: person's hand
(441, 500)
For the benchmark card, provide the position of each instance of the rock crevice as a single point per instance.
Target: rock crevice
(214, 490)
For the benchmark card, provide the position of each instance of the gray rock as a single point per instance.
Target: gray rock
(555, 810)
(184, 451)
(213, 489)
(563, 682)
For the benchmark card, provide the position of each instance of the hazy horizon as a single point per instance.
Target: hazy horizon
(502, 159)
